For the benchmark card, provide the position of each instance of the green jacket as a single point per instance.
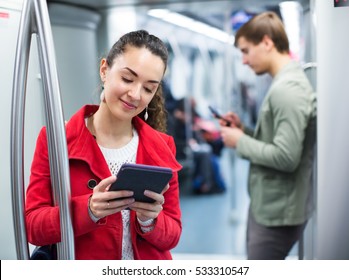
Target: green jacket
(281, 151)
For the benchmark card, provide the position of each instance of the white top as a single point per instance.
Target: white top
(115, 158)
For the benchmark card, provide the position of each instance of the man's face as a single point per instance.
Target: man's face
(255, 56)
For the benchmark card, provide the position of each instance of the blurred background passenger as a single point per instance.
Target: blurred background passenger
(205, 144)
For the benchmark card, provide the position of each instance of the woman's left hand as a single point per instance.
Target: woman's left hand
(145, 210)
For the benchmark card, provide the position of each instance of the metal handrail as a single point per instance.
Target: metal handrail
(35, 20)
(308, 66)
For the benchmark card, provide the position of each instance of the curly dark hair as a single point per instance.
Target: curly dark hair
(157, 114)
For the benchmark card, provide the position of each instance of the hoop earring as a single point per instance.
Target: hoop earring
(146, 114)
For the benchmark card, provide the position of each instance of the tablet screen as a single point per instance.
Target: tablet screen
(140, 177)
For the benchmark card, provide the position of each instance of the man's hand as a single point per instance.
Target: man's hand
(231, 136)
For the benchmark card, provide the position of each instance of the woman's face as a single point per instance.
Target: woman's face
(131, 82)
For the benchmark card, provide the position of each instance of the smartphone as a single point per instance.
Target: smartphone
(141, 177)
(217, 115)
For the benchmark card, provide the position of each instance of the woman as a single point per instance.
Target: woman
(127, 126)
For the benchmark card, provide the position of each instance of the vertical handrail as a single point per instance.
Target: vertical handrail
(306, 67)
(17, 131)
(35, 20)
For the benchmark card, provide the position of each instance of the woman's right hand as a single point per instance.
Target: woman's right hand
(103, 202)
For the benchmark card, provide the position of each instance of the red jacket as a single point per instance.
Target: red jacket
(102, 240)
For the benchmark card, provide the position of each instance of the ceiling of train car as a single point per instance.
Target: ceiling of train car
(213, 12)
(185, 3)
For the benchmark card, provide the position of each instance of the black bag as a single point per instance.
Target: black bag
(47, 252)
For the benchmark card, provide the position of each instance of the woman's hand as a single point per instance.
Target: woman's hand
(102, 202)
(145, 210)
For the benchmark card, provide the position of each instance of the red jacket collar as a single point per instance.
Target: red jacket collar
(153, 148)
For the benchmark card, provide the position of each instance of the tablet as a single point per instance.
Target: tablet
(141, 177)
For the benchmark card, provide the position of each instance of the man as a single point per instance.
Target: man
(280, 149)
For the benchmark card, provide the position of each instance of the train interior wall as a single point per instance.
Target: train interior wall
(211, 72)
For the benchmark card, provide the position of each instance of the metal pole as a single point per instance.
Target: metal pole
(17, 131)
(35, 19)
(59, 164)
(301, 252)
